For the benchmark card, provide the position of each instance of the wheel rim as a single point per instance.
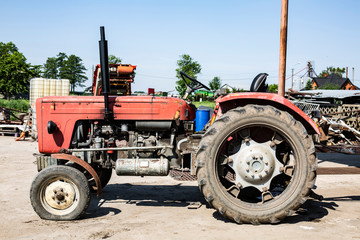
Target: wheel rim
(59, 196)
(255, 164)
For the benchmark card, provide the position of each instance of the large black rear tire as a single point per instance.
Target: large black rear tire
(250, 185)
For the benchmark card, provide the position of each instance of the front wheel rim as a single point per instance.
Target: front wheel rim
(59, 196)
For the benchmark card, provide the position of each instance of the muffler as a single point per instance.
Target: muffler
(142, 167)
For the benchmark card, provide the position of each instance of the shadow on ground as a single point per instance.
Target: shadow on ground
(345, 159)
(190, 197)
(145, 195)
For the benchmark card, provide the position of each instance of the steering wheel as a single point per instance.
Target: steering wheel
(190, 89)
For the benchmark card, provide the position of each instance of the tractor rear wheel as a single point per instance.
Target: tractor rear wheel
(60, 193)
(256, 164)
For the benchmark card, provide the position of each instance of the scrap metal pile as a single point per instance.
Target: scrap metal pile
(339, 135)
(12, 121)
(339, 125)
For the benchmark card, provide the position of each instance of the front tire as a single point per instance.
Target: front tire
(256, 164)
(60, 193)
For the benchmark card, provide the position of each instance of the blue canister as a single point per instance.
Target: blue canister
(202, 117)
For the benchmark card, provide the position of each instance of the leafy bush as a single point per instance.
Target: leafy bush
(273, 88)
(18, 104)
(330, 86)
(205, 103)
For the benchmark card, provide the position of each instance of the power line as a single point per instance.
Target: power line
(297, 73)
(223, 79)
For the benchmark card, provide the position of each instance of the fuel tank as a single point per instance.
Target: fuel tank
(66, 111)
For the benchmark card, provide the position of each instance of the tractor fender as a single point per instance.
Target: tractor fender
(234, 100)
(82, 163)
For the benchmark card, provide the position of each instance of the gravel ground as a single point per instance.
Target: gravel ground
(163, 208)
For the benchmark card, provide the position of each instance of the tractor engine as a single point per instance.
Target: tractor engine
(139, 148)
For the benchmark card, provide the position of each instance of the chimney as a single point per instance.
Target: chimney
(347, 72)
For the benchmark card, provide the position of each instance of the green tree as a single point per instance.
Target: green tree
(273, 88)
(234, 89)
(190, 67)
(308, 85)
(215, 84)
(114, 60)
(50, 69)
(66, 67)
(74, 70)
(61, 59)
(14, 70)
(332, 70)
(330, 86)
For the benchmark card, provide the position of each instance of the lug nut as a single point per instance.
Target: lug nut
(261, 156)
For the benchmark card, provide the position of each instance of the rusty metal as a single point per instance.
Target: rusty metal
(283, 43)
(182, 175)
(82, 163)
(336, 113)
(8, 112)
(347, 149)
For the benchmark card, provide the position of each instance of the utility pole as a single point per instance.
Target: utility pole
(292, 78)
(283, 43)
(353, 76)
(309, 69)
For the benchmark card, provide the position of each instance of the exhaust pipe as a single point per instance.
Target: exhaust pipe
(104, 63)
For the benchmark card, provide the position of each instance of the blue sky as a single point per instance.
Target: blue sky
(234, 40)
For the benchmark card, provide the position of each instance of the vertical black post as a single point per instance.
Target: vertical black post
(104, 63)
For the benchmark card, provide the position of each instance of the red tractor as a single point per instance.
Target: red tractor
(255, 160)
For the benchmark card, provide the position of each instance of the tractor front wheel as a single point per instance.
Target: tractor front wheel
(256, 164)
(60, 193)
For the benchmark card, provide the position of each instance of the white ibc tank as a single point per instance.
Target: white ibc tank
(43, 87)
(58, 87)
(36, 90)
(46, 88)
(52, 87)
(65, 87)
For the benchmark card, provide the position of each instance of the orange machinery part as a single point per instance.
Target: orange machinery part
(125, 69)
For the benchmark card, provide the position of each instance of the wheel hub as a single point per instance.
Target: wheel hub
(60, 195)
(255, 164)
